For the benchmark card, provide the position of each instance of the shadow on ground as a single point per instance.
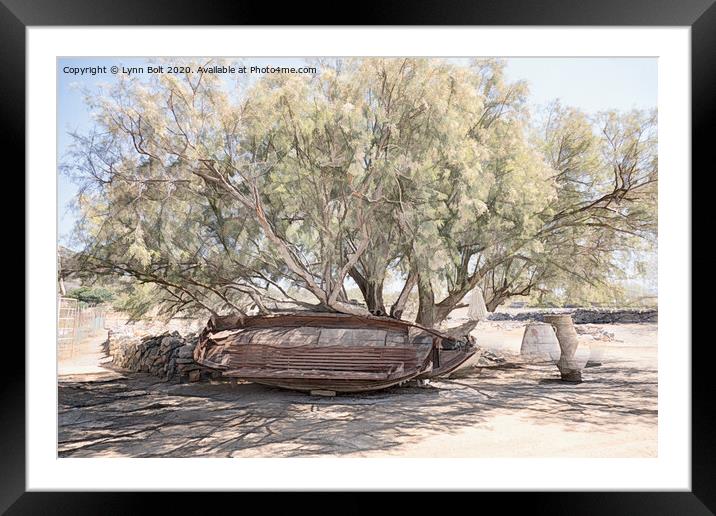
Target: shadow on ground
(140, 416)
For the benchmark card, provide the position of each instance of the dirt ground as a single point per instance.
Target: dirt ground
(510, 409)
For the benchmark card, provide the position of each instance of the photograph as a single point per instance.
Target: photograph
(441, 248)
(357, 257)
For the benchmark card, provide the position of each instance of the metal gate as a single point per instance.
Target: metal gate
(75, 321)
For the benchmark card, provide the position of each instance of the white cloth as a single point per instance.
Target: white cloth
(477, 310)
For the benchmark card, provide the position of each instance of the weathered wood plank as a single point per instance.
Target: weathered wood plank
(246, 372)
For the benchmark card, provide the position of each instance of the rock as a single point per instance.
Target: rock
(195, 376)
(594, 332)
(488, 358)
(320, 392)
(150, 341)
(186, 352)
(171, 342)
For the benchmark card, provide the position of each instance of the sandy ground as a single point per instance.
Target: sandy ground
(87, 361)
(512, 409)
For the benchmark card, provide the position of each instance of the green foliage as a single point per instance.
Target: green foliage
(137, 300)
(372, 169)
(91, 295)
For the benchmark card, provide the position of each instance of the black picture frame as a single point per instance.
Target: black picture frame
(700, 15)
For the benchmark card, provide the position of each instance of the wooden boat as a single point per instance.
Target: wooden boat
(328, 351)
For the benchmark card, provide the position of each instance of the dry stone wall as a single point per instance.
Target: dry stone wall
(584, 316)
(168, 356)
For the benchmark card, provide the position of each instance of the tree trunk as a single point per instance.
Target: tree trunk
(494, 302)
(396, 311)
(373, 295)
(372, 291)
(429, 314)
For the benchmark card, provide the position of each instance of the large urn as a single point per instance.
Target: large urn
(572, 359)
(540, 344)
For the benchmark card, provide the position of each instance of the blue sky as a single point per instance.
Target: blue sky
(591, 84)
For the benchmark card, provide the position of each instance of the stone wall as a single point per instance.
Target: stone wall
(584, 316)
(168, 356)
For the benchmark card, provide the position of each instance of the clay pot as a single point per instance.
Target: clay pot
(539, 343)
(572, 359)
(596, 352)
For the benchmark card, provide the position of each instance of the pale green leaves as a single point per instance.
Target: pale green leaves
(422, 164)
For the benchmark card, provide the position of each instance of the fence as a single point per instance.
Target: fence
(76, 321)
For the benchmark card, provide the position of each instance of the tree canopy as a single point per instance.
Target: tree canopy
(294, 186)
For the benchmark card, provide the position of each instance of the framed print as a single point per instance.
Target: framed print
(449, 252)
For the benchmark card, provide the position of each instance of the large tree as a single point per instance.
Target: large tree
(292, 187)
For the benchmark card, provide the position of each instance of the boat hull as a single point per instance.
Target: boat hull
(449, 360)
(346, 386)
(330, 352)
